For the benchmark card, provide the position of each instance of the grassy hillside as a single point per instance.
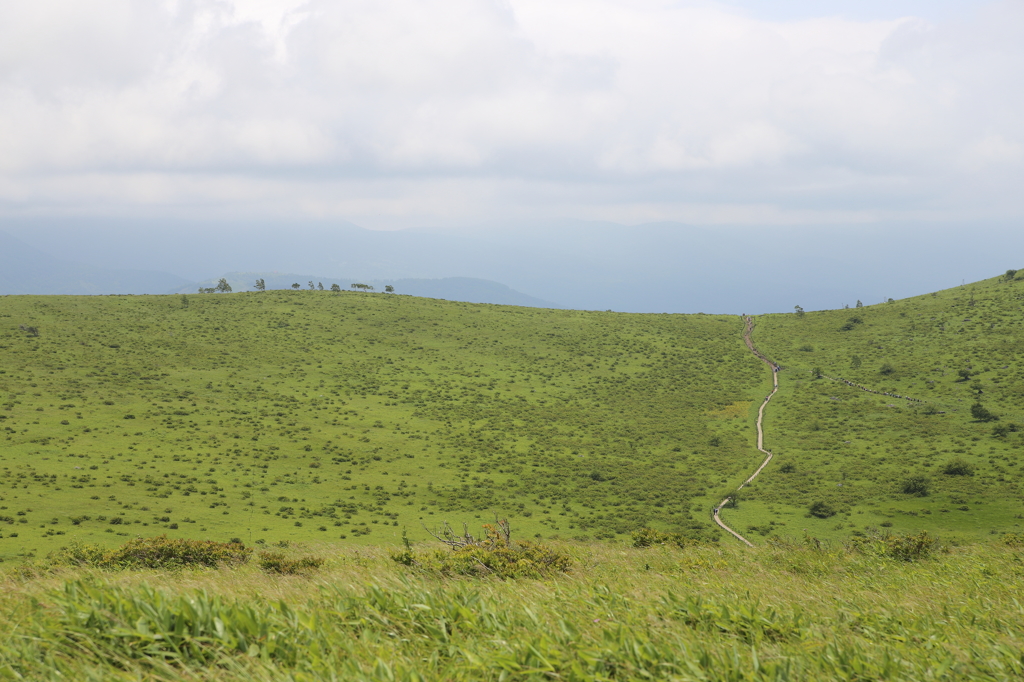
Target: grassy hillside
(880, 460)
(324, 424)
(783, 612)
(346, 417)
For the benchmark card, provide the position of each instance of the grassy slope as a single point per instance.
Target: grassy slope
(312, 415)
(855, 449)
(721, 613)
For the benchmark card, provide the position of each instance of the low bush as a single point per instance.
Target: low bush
(909, 547)
(495, 554)
(958, 467)
(1015, 540)
(822, 509)
(915, 485)
(1003, 430)
(275, 562)
(157, 552)
(648, 537)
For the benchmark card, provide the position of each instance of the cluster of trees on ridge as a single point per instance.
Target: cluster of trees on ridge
(224, 288)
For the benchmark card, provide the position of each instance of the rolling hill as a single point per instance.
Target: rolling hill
(347, 416)
(329, 428)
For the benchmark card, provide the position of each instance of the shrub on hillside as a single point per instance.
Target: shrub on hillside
(78, 554)
(1004, 430)
(909, 547)
(1013, 539)
(822, 509)
(275, 562)
(493, 554)
(982, 413)
(958, 467)
(648, 537)
(915, 485)
(158, 552)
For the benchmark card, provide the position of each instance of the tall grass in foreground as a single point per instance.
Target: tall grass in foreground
(784, 611)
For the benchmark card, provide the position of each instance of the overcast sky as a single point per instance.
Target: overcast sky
(403, 113)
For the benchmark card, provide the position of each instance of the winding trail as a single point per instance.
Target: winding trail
(760, 430)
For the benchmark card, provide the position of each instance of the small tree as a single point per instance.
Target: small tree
(295, 285)
(890, 300)
(964, 374)
(184, 301)
(335, 288)
(982, 414)
(31, 331)
(260, 285)
(389, 289)
(320, 286)
(816, 373)
(311, 287)
(1010, 274)
(223, 286)
(886, 369)
(799, 310)
(859, 304)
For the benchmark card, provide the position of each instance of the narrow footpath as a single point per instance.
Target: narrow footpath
(760, 430)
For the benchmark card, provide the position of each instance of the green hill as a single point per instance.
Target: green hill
(318, 424)
(347, 417)
(344, 416)
(921, 461)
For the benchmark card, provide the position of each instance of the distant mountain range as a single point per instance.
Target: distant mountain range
(652, 268)
(25, 269)
(28, 270)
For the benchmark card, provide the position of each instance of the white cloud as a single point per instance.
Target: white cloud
(396, 112)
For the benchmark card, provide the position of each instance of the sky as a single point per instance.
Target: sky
(413, 113)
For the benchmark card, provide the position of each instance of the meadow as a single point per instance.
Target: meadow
(350, 417)
(322, 435)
